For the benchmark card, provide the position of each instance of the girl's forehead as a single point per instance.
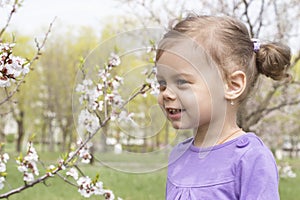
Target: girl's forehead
(171, 62)
(184, 50)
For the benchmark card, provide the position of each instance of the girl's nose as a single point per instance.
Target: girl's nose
(168, 94)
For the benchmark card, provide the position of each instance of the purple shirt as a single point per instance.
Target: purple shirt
(243, 168)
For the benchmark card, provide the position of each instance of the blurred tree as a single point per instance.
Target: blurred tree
(60, 65)
(19, 103)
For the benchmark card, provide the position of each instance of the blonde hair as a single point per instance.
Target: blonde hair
(227, 41)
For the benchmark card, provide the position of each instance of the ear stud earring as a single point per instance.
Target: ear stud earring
(231, 103)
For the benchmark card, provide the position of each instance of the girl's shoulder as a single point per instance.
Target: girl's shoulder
(252, 149)
(249, 140)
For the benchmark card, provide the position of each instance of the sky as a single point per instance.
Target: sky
(36, 15)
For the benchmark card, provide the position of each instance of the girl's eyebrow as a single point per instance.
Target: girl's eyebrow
(185, 75)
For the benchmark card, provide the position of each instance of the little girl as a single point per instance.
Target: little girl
(206, 67)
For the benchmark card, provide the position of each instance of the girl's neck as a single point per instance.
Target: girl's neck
(211, 135)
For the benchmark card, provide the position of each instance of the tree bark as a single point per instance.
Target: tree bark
(20, 123)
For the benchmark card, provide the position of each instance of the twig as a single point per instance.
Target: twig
(260, 18)
(247, 17)
(144, 89)
(17, 190)
(264, 103)
(13, 10)
(281, 105)
(80, 171)
(40, 47)
(66, 180)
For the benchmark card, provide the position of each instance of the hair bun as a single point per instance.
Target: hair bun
(273, 60)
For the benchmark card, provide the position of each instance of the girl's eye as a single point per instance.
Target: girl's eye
(162, 85)
(181, 82)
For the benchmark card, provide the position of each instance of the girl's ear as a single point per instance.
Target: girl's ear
(235, 86)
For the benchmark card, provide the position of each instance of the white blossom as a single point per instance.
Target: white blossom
(109, 195)
(51, 168)
(89, 120)
(84, 188)
(84, 180)
(71, 154)
(115, 84)
(31, 153)
(31, 157)
(5, 157)
(87, 82)
(4, 82)
(28, 164)
(90, 94)
(11, 67)
(3, 160)
(127, 118)
(34, 168)
(123, 116)
(61, 164)
(28, 177)
(114, 60)
(84, 86)
(15, 68)
(113, 116)
(2, 179)
(103, 75)
(114, 99)
(85, 155)
(22, 168)
(2, 167)
(154, 86)
(98, 188)
(87, 188)
(73, 173)
(117, 100)
(97, 105)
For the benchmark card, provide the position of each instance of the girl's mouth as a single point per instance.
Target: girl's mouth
(174, 113)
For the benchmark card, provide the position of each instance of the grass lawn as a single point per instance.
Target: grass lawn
(289, 188)
(129, 186)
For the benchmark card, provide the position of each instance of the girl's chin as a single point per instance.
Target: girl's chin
(179, 126)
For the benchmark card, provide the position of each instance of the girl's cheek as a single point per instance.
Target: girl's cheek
(160, 100)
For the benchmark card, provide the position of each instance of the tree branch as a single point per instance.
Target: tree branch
(13, 10)
(35, 57)
(259, 19)
(248, 18)
(20, 189)
(281, 105)
(255, 114)
(66, 180)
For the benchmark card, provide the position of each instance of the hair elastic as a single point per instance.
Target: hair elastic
(256, 44)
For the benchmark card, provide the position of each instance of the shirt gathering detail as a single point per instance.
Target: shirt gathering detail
(240, 169)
